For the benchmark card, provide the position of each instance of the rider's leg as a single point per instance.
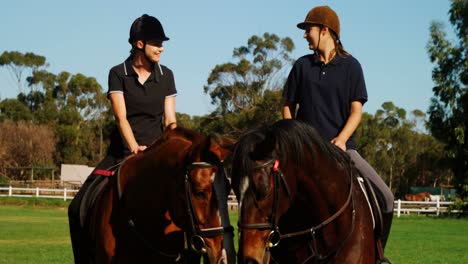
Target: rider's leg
(79, 239)
(383, 193)
(77, 234)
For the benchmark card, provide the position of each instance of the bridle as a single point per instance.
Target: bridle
(197, 235)
(275, 236)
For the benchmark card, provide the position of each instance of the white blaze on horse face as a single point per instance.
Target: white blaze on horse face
(244, 185)
(213, 176)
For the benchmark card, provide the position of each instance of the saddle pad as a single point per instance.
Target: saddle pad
(90, 196)
(363, 188)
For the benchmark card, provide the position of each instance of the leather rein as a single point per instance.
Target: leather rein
(275, 236)
(196, 240)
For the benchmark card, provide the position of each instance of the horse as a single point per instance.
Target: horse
(299, 199)
(422, 196)
(434, 198)
(162, 207)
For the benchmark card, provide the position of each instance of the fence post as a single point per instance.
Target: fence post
(64, 194)
(438, 205)
(399, 208)
(37, 191)
(10, 191)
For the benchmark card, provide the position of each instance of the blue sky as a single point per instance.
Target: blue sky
(389, 38)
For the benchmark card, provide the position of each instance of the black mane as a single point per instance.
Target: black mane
(286, 140)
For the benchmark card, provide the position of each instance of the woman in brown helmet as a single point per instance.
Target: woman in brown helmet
(328, 90)
(142, 94)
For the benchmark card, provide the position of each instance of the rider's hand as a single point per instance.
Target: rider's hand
(138, 149)
(339, 143)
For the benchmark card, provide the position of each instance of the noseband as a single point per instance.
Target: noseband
(275, 236)
(197, 235)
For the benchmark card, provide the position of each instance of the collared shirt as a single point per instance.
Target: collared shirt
(324, 93)
(144, 103)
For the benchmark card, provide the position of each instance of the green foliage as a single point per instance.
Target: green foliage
(73, 105)
(448, 112)
(14, 110)
(17, 63)
(240, 90)
(459, 206)
(401, 155)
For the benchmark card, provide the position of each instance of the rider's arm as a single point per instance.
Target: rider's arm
(351, 125)
(288, 110)
(120, 113)
(169, 112)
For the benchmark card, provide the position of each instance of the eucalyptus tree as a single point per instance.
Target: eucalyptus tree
(399, 149)
(77, 107)
(448, 112)
(238, 88)
(21, 64)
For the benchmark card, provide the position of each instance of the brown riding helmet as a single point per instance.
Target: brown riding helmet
(322, 15)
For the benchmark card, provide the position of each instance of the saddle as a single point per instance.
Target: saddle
(374, 206)
(94, 190)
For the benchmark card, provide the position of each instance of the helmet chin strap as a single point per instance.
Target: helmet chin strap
(316, 50)
(143, 50)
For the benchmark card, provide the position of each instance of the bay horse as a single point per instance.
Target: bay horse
(422, 196)
(299, 199)
(162, 206)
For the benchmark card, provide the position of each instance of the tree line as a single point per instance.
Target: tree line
(66, 118)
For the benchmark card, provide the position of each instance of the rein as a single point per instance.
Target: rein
(197, 242)
(275, 236)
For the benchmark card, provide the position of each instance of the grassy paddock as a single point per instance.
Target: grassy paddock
(37, 232)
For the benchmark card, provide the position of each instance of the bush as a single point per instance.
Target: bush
(459, 207)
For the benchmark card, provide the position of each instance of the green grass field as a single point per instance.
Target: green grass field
(34, 232)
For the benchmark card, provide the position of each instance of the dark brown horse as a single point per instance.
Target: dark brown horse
(300, 201)
(162, 206)
(422, 196)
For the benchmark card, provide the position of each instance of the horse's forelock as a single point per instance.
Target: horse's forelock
(241, 160)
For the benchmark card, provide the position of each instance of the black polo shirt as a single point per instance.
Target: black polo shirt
(324, 93)
(144, 103)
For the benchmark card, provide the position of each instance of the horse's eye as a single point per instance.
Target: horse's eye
(199, 194)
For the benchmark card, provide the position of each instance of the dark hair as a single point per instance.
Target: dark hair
(339, 49)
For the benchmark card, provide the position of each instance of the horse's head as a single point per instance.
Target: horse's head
(269, 166)
(195, 207)
(263, 192)
(168, 193)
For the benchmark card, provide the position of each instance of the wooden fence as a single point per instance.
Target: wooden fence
(401, 207)
(38, 192)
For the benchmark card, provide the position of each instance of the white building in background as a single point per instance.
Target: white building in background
(74, 174)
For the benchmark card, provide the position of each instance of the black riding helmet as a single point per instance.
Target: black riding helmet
(146, 28)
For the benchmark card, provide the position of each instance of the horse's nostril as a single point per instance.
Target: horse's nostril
(250, 261)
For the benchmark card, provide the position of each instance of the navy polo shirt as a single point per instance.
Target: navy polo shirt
(324, 93)
(144, 102)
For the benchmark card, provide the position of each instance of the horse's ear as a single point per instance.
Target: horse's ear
(220, 146)
(264, 148)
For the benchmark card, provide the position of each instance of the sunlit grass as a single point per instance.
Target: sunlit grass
(35, 234)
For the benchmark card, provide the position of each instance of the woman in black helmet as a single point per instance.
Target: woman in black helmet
(328, 87)
(142, 94)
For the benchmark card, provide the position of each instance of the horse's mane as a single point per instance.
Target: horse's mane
(178, 132)
(295, 139)
(286, 140)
